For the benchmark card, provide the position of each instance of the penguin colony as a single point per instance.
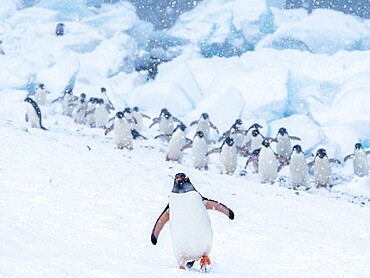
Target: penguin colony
(186, 211)
(265, 156)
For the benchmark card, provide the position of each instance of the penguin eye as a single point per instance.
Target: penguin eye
(186, 179)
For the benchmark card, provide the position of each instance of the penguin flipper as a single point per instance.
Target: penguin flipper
(333, 160)
(158, 226)
(215, 205)
(155, 120)
(193, 123)
(295, 138)
(215, 150)
(214, 127)
(164, 136)
(187, 146)
(108, 129)
(350, 156)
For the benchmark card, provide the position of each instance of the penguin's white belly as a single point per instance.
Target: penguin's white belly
(122, 134)
(361, 164)
(101, 116)
(239, 139)
(33, 118)
(228, 159)
(191, 229)
(174, 151)
(298, 170)
(67, 107)
(200, 149)
(284, 147)
(322, 172)
(204, 127)
(166, 126)
(40, 97)
(256, 143)
(267, 166)
(138, 121)
(80, 115)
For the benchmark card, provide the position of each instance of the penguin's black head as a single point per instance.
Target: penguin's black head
(321, 153)
(266, 143)
(167, 115)
(68, 91)
(199, 133)
(255, 126)
(182, 184)
(100, 101)
(103, 90)
(82, 96)
(136, 109)
(127, 110)
(92, 100)
(297, 149)
(41, 86)
(282, 131)
(119, 115)
(358, 146)
(205, 116)
(229, 141)
(181, 126)
(164, 111)
(255, 132)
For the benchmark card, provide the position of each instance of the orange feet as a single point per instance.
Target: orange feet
(182, 267)
(204, 261)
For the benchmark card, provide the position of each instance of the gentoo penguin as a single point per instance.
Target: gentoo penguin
(283, 142)
(122, 132)
(228, 156)
(101, 113)
(267, 162)
(107, 102)
(204, 124)
(165, 122)
(298, 168)
(90, 115)
(41, 95)
(191, 230)
(176, 143)
(33, 113)
(59, 29)
(199, 150)
(81, 109)
(138, 118)
(360, 160)
(236, 132)
(1, 48)
(322, 168)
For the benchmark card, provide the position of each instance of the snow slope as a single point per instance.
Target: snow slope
(73, 205)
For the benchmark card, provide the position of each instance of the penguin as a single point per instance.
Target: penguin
(204, 124)
(190, 225)
(322, 168)
(90, 115)
(165, 122)
(298, 168)
(33, 113)
(107, 102)
(248, 137)
(228, 156)
(68, 101)
(138, 118)
(101, 113)
(1, 48)
(283, 142)
(81, 109)
(59, 29)
(199, 150)
(254, 144)
(127, 113)
(235, 132)
(40, 95)
(176, 143)
(360, 160)
(268, 166)
(122, 132)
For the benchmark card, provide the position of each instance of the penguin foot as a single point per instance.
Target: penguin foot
(204, 261)
(181, 267)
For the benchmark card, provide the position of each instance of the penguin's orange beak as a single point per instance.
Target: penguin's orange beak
(179, 179)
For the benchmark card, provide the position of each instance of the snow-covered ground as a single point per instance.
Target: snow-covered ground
(73, 205)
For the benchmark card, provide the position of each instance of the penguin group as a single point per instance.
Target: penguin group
(264, 156)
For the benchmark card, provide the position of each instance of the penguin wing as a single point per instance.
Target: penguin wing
(215, 205)
(214, 127)
(187, 146)
(109, 129)
(145, 116)
(155, 120)
(333, 160)
(193, 123)
(215, 150)
(295, 138)
(350, 156)
(164, 136)
(158, 226)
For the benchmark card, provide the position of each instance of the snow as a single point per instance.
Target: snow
(73, 205)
